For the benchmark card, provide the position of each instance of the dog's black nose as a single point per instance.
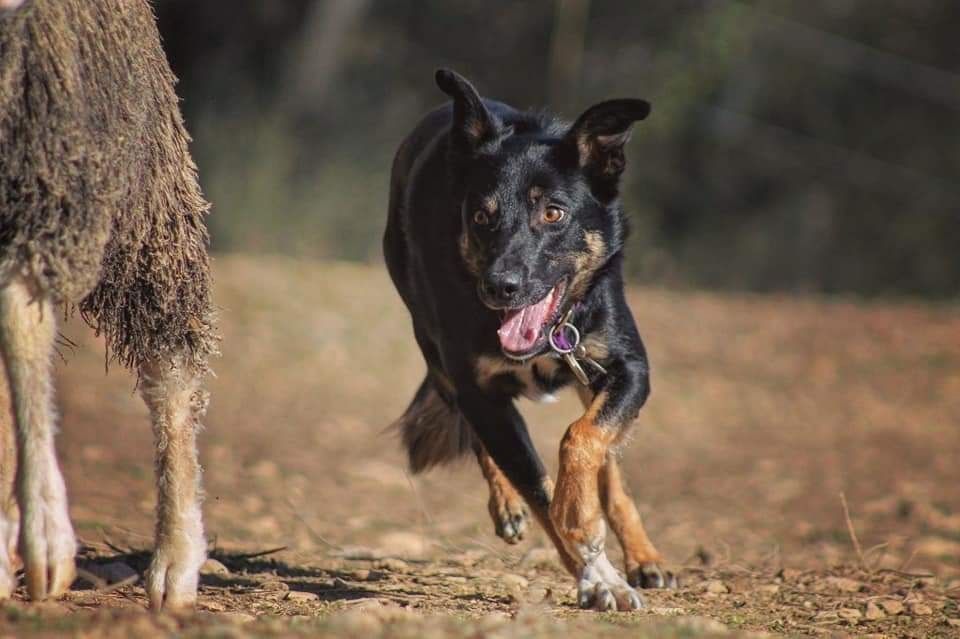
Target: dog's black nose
(502, 286)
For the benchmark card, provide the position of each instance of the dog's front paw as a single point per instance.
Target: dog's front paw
(601, 587)
(509, 516)
(650, 575)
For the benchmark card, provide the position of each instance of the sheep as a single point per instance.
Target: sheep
(101, 212)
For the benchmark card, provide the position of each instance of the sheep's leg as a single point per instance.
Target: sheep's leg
(171, 389)
(9, 515)
(46, 542)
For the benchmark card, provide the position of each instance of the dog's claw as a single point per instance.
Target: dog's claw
(650, 575)
(601, 588)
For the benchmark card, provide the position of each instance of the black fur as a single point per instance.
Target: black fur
(457, 262)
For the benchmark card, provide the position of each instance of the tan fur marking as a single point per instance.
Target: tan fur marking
(470, 258)
(576, 509)
(587, 262)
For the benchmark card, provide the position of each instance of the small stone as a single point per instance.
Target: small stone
(874, 612)
(340, 584)
(955, 623)
(829, 616)
(892, 606)
(769, 589)
(850, 615)
(393, 565)
(844, 584)
(715, 586)
(921, 609)
(213, 567)
(300, 595)
(274, 586)
(360, 575)
(514, 582)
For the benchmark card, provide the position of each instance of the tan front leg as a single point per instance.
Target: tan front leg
(577, 512)
(641, 558)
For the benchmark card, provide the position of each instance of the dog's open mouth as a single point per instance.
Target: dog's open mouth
(523, 330)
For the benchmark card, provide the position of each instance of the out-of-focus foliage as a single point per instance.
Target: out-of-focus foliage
(793, 145)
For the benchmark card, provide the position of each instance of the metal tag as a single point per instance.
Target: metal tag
(571, 350)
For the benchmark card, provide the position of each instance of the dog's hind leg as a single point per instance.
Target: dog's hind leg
(47, 544)
(9, 514)
(171, 390)
(506, 506)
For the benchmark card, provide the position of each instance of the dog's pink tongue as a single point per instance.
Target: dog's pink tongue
(521, 327)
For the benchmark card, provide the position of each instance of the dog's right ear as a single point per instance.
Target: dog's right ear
(474, 127)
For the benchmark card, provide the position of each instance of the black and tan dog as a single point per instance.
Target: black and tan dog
(505, 239)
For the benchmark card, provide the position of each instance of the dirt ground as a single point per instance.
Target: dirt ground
(765, 411)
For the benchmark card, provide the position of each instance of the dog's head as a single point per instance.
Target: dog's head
(540, 206)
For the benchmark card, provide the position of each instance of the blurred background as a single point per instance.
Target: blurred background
(794, 146)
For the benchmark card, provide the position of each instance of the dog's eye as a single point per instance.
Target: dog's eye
(481, 218)
(553, 214)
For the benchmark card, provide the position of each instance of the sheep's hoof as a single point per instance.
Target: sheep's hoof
(171, 580)
(47, 549)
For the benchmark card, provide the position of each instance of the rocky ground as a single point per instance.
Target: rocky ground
(797, 464)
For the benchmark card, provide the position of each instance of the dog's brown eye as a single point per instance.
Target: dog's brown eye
(481, 217)
(552, 214)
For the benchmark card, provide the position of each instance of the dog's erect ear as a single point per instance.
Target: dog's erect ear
(473, 124)
(598, 136)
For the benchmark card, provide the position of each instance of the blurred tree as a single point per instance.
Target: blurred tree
(793, 145)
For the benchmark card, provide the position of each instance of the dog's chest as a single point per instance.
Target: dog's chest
(536, 379)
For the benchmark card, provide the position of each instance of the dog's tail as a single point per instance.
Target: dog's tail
(433, 430)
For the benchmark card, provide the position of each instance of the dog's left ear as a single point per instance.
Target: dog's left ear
(474, 127)
(598, 136)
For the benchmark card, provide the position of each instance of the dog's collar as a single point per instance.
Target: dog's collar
(564, 339)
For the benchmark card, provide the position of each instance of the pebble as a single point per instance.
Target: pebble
(844, 584)
(300, 595)
(874, 612)
(850, 615)
(393, 565)
(921, 609)
(716, 586)
(213, 567)
(514, 582)
(892, 606)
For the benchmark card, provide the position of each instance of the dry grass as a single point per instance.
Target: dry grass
(764, 410)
